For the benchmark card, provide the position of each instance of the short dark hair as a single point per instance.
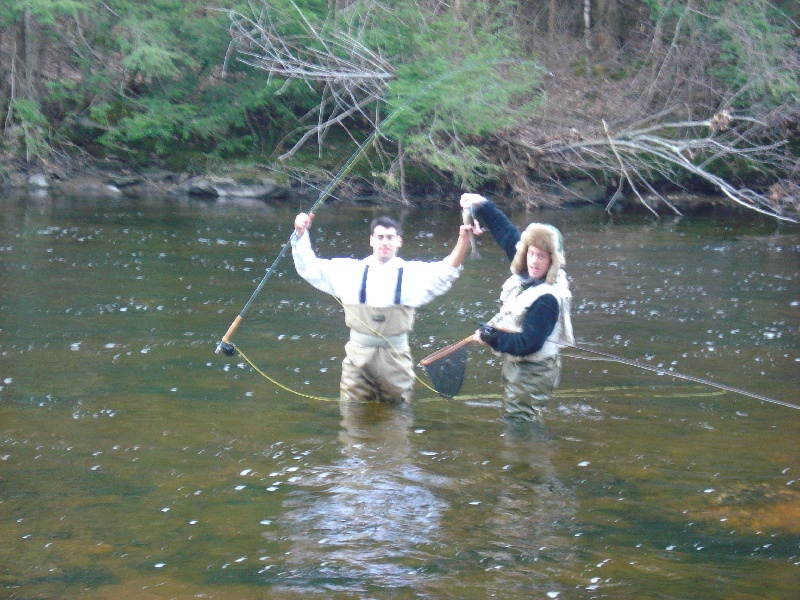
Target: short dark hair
(387, 222)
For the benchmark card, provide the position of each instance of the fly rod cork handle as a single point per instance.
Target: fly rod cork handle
(225, 346)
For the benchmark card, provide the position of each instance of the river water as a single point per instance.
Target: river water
(137, 463)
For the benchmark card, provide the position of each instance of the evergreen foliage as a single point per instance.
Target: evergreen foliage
(752, 37)
(463, 80)
(159, 80)
(747, 42)
(29, 133)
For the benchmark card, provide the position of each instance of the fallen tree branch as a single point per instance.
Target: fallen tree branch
(624, 172)
(658, 151)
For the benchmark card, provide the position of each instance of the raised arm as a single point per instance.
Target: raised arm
(501, 227)
(313, 269)
(456, 257)
(301, 223)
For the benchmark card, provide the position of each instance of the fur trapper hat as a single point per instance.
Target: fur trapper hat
(547, 238)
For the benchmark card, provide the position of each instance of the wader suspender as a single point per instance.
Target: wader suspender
(362, 296)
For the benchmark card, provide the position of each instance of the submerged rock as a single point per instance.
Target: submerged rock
(227, 186)
(38, 180)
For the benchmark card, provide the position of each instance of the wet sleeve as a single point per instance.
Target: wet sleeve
(539, 322)
(501, 228)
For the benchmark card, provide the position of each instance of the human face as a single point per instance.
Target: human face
(538, 262)
(385, 243)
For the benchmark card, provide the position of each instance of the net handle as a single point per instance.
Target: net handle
(448, 350)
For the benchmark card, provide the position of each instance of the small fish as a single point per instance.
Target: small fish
(468, 219)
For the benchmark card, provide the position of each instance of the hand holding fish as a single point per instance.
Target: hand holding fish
(468, 201)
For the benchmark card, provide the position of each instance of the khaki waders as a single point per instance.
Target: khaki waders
(378, 365)
(529, 386)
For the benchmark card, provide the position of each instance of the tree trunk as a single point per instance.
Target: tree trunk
(28, 50)
(6, 77)
(587, 25)
(401, 156)
(587, 36)
(607, 28)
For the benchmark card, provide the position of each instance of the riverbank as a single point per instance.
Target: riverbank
(116, 179)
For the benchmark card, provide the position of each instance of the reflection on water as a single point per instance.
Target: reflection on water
(543, 517)
(369, 519)
(134, 462)
(378, 520)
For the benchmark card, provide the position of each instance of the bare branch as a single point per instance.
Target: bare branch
(348, 74)
(318, 129)
(625, 171)
(656, 151)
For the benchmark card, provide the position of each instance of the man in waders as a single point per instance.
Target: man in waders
(379, 294)
(534, 319)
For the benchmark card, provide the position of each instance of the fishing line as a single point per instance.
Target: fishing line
(572, 393)
(449, 380)
(277, 383)
(675, 374)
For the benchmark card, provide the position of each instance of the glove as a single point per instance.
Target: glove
(471, 201)
(488, 333)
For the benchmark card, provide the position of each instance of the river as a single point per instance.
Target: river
(137, 463)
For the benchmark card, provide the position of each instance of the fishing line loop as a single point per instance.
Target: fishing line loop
(572, 393)
(275, 382)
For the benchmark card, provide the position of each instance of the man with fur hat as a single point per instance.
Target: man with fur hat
(534, 318)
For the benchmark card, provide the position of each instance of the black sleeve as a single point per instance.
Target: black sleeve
(501, 228)
(539, 322)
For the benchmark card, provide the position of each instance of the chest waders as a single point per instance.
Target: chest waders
(529, 381)
(378, 363)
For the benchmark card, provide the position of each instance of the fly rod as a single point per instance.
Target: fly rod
(224, 345)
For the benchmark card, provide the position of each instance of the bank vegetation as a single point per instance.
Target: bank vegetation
(526, 100)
